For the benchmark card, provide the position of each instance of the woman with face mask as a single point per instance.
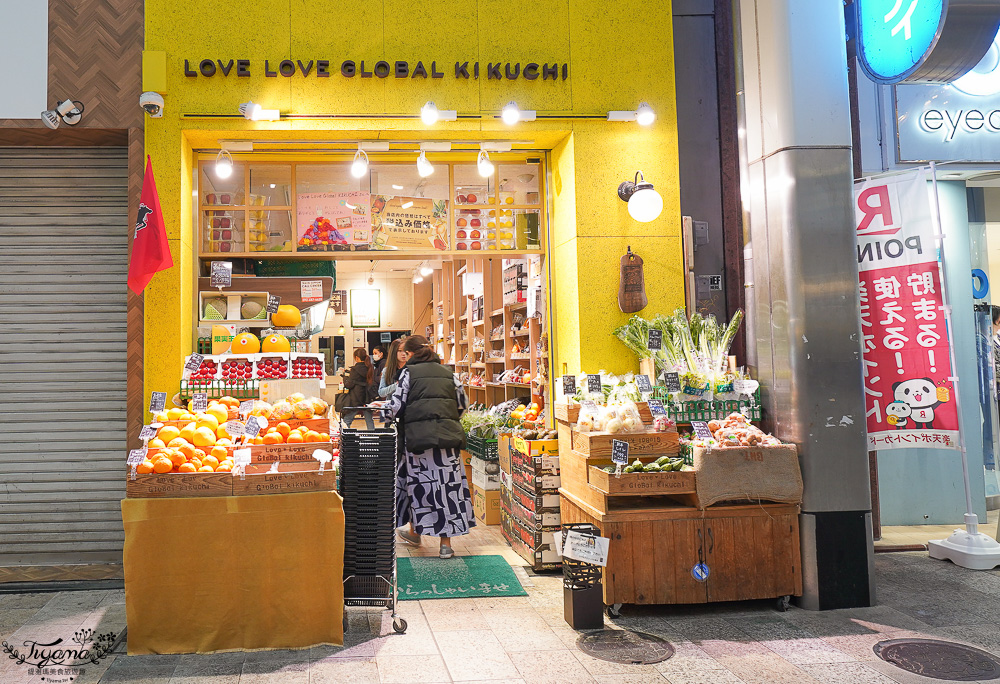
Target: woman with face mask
(433, 493)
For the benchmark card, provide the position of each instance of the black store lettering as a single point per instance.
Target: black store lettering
(267, 70)
(517, 71)
(323, 68)
(242, 68)
(531, 71)
(493, 71)
(402, 69)
(382, 69)
(305, 69)
(348, 68)
(462, 70)
(419, 70)
(226, 68)
(287, 68)
(207, 67)
(550, 72)
(188, 71)
(365, 74)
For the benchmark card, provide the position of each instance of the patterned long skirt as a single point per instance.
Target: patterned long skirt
(432, 493)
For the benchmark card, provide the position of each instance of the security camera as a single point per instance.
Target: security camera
(152, 103)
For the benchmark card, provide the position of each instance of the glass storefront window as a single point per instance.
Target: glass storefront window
(270, 185)
(223, 231)
(270, 231)
(471, 188)
(518, 184)
(227, 191)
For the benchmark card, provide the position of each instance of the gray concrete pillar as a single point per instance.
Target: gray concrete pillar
(802, 275)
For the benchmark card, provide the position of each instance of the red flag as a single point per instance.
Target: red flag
(150, 250)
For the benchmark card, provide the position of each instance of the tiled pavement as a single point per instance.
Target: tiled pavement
(526, 640)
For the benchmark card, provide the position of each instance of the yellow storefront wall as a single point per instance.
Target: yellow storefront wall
(616, 56)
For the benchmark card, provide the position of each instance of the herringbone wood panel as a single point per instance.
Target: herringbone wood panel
(95, 56)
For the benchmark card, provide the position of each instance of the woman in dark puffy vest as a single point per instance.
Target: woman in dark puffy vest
(433, 494)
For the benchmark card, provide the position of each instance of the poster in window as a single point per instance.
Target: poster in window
(366, 309)
(329, 221)
(409, 223)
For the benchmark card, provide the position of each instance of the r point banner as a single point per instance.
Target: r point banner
(907, 361)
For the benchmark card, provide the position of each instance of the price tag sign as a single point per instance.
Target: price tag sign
(136, 456)
(199, 401)
(701, 430)
(747, 387)
(585, 547)
(192, 364)
(246, 407)
(619, 452)
(569, 385)
(273, 302)
(323, 457)
(157, 402)
(222, 274)
(655, 339)
(593, 383)
(656, 407)
(253, 426)
(241, 457)
(311, 290)
(588, 404)
(672, 382)
(233, 427)
(642, 382)
(147, 433)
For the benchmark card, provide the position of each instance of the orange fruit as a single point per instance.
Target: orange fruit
(224, 467)
(245, 343)
(220, 452)
(219, 412)
(230, 401)
(234, 412)
(272, 438)
(162, 464)
(187, 416)
(283, 428)
(295, 437)
(224, 442)
(186, 468)
(207, 420)
(167, 433)
(312, 436)
(204, 436)
(275, 342)
(324, 437)
(199, 453)
(196, 462)
(187, 451)
(210, 461)
(258, 440)
(206, 469)
(145, 467)
(176, 458)
(156, 443)
(187, 432)
(175, 413)
(270, 430)
(177, 442)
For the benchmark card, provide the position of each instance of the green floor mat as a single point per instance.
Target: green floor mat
(458, 577)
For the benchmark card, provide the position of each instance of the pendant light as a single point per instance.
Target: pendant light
(359, 167)
(224, 164)
(644, 203)
(424, 166)
(484, 164)
(426, 270)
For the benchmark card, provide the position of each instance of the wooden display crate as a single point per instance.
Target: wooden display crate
(287, 453)
(638, 484)
(752, 552)
(647, 442)
(291, 477)
(583, 478)
(570, 413)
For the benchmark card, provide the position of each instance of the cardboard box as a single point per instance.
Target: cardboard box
(504, 444)
(485, 474)
(466, 458)
(486, 505)
(536, 547)
(534, 483)
(468, 476)
(523, 507)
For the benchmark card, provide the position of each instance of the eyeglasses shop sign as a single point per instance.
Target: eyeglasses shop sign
(940, 123)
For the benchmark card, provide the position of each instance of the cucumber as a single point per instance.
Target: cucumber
(609, 469)
(629, 469)
(653, 468)
(662, 460)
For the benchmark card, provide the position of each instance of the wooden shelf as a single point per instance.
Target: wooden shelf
(478, 324)
(480, 366)
(498, 312)
(495, 361)
(501, 338)
(516, 306)
(521, 333)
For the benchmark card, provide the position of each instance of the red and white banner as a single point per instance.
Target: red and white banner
(907, 360)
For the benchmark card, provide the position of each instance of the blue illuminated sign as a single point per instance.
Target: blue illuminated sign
(895, 36)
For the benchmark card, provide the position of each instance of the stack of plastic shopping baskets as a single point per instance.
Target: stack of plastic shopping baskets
(368, 486)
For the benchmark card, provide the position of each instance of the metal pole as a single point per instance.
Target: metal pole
(971, 520)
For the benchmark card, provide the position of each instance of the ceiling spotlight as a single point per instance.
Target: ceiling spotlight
(644, 203)
(68, 111)
(424, 167)
(255, 112)
(429, 114)
(510, 113)
(224, 164)
(426, 270)
(644, 115)
(484, 164)
(417, 278)
(359, 167)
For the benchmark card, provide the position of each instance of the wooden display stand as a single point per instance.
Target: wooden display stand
(659, 534)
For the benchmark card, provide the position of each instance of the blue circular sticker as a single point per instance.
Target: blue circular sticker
(980, 284)
(700, 572)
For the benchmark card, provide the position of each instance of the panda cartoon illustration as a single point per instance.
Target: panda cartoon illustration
(921, 396)
(898, 414)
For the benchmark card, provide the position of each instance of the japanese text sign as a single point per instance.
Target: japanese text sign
(907, 360)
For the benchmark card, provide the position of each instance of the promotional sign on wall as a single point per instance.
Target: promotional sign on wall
(328, 220)
(409, 223)
(907, 359)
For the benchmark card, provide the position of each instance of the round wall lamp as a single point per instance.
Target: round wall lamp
(359, 167)
(424, 166)
(484, 164)
(644, 203)
(224, 164)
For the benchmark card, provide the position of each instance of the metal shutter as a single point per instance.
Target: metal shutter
(63, 266)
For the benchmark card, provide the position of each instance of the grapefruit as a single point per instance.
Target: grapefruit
(245, 343)
(275, 343)
(287, 316)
